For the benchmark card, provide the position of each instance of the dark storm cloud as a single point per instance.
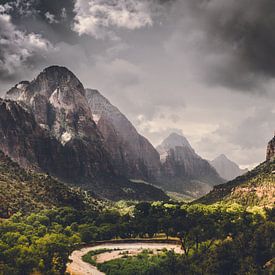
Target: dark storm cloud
(29, 33)
(249, 27)
(167, 64)
(52, 19)
(237, 39)
(18, 50)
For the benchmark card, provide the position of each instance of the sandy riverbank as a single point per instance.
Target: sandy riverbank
(78, 267)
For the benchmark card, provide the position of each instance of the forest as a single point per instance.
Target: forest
(216, 239)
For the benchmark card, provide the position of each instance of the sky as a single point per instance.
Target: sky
(203, 68)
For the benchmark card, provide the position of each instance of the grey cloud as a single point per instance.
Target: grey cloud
(97, 18)
(243, 141)
(51, 18)
(19, 50)
(251, 133)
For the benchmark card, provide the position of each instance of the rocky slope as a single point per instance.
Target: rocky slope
(257, 187)
(226, 168)
(132, 153)
(270, 152)
(51, 128)
(183, 170)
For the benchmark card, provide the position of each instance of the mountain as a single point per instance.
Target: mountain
(50, 128)
(257, 187)
(56, 98)
(184, 171)
(171, 142)
(226, 168)
(132, 154)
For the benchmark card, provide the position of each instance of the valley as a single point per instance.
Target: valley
(82, 192)
(137, 137)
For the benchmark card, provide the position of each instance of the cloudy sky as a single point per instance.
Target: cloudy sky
(204, 68)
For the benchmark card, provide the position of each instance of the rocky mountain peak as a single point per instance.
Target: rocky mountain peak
(175, 140)
(172, 142)
(57, 99)
(221, 157)
(183, 169)
(46, 83)
(270, 152)
(55, 77)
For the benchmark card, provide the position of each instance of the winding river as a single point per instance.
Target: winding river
(79, 267)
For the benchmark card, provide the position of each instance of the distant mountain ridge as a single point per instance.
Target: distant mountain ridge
(226, 168)
(183, 170)
(50, 128)
(77, 135)
(174, 166)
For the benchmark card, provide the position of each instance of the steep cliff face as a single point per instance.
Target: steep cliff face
(226, 168)
(32, 146)
(132, 153)
(270, 152)
(183, 170)
(57, 99)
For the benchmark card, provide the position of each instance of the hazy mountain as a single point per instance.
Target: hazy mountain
(171, 142)
(132, 154)
(183, 170)
(226, 168)
(51, 128)
(257, 187)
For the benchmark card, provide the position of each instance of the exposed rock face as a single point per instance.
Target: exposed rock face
(51, 128)
(57, 99)
(132, 153)
(226, 168)
(270, 152)
(32, 146)
(183, 170)
(170, 143)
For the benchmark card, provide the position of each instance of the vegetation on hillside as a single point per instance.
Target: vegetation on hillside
(230, 237)
(255, 188)
(27, 191)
